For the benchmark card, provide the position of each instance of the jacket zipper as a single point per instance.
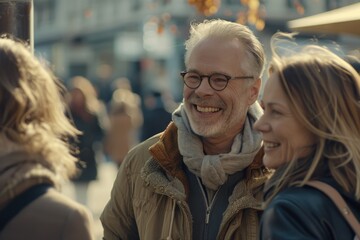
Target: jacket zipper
(207, 215)
(208, 206)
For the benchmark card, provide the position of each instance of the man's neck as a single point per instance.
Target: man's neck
(215, 147)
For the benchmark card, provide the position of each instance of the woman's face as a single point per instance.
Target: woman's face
(284, 137)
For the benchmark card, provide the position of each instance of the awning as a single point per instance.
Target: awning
(345, 20)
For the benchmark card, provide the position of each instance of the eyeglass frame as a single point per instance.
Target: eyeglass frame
(228, 78)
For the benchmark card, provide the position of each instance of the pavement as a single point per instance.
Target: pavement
(98, 193)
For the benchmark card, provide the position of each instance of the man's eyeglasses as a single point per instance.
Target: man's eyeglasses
(217, 81)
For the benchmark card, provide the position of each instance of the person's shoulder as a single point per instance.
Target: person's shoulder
(51, 215)
(144, 145)
(294, 211)
(140, 153)
(301, 197)
(304, 212)
(60, 204)
(300, 202)
(67, 216)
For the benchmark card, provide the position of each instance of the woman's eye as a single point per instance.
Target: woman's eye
(275, 112)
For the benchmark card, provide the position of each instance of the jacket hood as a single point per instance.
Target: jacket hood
(18, 172)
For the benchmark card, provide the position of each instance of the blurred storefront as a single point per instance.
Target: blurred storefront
(143, 40)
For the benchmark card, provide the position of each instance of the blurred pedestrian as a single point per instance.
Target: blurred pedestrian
(202, 177)
(103, 82)
(125, 120)
(86, 110)
(156, 115)
(35, 157)
(311, 131)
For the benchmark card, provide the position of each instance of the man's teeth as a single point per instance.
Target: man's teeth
(207, 109)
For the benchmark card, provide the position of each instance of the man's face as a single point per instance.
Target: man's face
(215, 114)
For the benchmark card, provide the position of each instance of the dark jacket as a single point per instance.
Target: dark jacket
(307, 213)
(91, 133)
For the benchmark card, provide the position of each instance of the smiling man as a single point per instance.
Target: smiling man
(202, 177)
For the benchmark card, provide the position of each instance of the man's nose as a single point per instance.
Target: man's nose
(204, 87)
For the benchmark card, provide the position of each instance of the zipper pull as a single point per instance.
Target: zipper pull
(207, 218)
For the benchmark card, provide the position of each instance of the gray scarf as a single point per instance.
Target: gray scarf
(214, 169)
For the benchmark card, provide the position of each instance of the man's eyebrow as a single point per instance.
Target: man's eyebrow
(211, 73)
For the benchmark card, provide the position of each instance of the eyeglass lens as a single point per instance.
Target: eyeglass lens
(217, 81)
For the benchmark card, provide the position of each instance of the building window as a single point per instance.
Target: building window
(45, 12)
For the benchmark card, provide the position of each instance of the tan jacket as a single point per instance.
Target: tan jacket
(149, 196)
(123, 130)
(119, 138)
(51, 216)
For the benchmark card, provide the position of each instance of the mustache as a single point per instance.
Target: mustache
(211, 102)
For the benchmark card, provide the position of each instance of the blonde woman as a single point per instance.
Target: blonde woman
(311, 131)
(34, 155)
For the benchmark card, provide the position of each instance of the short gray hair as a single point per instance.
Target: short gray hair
(225, 29)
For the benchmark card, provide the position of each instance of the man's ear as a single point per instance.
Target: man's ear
(254, 90)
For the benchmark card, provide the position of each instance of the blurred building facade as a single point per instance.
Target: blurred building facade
(142, 40)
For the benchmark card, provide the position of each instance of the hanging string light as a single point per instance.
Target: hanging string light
(206, 7)
(299, 7)
(251, 16)
(254, 13)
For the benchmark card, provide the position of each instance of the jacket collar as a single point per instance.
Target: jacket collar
(172, 180)
(165, 153)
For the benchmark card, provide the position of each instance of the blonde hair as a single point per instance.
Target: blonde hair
(324, 94)
(33, 109)
(229, 30)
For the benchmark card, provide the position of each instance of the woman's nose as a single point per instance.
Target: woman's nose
(260, 125)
